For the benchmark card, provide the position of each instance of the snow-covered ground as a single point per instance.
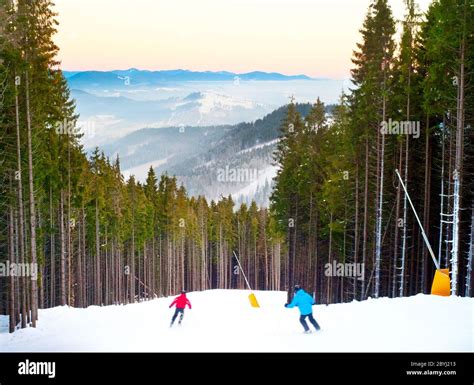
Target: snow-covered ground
(223, 321)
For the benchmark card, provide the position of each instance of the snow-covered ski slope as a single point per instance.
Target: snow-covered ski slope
(223, 321)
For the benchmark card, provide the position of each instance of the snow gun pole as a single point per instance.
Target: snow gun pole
(252, 298)
(441, 284)
(242, 270)
(419, 222)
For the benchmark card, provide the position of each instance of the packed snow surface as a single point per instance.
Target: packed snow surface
(224, 321)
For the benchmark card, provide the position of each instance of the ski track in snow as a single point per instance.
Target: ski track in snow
(223, 321)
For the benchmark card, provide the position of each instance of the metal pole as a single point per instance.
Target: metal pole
(242, 270)
(419, 222)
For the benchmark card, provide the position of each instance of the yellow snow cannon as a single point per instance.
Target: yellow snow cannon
(253, 300)
(441, 283)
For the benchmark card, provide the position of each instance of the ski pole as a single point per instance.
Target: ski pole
(419, 222)
(242, 270)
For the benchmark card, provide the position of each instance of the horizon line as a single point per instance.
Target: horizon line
(208, 71)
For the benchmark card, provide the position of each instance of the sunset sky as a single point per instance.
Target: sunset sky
(314, 37)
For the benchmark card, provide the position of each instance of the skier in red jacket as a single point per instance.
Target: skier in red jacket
(180, 301)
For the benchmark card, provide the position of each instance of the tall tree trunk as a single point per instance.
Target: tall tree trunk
(78, 287)
(458, 167)
(11, 257)
(63, 249)
(52, 273)
(85, 302)
(378, 240)
(34, 292)
(316, 256)
(442, 195)
(401, 288)
(397, 225)
(21, 235)
(366, 193)
(356, 229)
(68, 224)
(132, 261)
(426, 209)
(329, 278)
(97, 288)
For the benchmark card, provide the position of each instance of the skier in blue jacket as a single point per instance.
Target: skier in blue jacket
(305, 303)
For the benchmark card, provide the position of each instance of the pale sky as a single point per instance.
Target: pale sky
(312, 37)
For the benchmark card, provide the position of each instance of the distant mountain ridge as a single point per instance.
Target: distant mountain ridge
(137, 76)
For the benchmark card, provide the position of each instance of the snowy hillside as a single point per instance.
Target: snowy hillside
(210, 161)
(222, 320)
(140, 172)
(259, 189)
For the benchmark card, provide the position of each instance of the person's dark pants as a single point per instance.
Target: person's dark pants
(178, 311)
(311, 319)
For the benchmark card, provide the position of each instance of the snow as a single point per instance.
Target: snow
(211, 101)
(258, 146)
(266, 174)
(223, 321)
(140, 172)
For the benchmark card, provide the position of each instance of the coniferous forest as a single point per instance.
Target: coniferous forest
(100, 239)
